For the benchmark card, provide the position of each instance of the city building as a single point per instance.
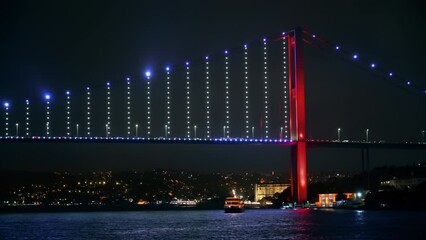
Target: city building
(329, 199)
(264, 190)
(403, 183)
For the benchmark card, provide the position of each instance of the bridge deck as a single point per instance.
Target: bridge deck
(160, 140)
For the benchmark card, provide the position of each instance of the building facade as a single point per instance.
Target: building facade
(263, 190)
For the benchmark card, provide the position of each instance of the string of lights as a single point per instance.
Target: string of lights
(47, 98)
(246, 93)
(68, 114)
(6, 118)
(88, 117)
(227, 97)
(168, 103)
(364, 62)
(188, 102)
(265, 86)
(27, 118)
(285, 85)
(108, 110)
(207, 97)
(148, 103)
(128, 108)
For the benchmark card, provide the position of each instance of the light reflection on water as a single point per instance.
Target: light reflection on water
(252, 224)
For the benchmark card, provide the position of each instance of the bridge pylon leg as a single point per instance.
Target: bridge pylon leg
(299, 183)
(299, 180)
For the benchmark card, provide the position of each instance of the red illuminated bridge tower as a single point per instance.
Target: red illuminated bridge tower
(296, 88)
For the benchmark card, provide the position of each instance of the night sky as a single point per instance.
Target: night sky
(58, 45)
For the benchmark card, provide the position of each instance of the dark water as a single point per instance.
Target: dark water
(252, 224)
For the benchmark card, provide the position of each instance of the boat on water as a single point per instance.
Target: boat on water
(234, 204)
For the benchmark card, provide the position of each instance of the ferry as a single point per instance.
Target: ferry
(234, 204)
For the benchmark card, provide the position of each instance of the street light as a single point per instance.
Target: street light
(281, 133)
(17, 129)
(338, 134)
(165, 130)
(77, 128)
(252, 132)
(224, 131)
(366, 134)
(195, 131)
(136, 126)
(106, 130)
(423, 136)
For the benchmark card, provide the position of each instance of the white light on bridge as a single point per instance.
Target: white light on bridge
(265, 87)
(148, 104)
(188, 102)
(227, 96)
(108, 109)
(246, 93)
(47, 98)
(207, 96)
(168, 102)
(88, 111)
(68, 113)
(128, 107)
(6, 118)
(285, 94)
(27, 118)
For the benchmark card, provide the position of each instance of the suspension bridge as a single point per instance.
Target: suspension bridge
(251, 94)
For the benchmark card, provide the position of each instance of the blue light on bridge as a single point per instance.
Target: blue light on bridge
(408, 83)
(148, 74)
(337, 47)
(390, 74)
(167, 68)
(355, 56)
(6, 104)
(47, 97)
(373, 65)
